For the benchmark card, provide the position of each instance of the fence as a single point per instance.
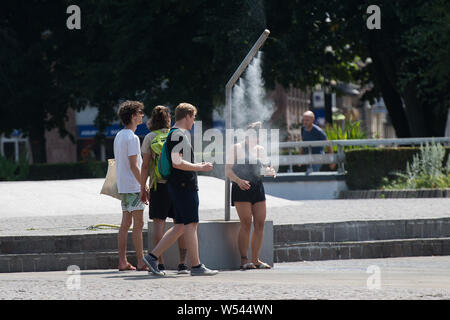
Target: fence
(339, 157)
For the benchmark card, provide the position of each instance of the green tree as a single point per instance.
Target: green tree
(164, 52)
(411, 44)
(161, 52)
(33, 91)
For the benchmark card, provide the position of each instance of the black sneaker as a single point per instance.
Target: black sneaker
(183, 269)
(152, 263)
(161, 267)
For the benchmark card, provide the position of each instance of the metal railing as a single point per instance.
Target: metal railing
(339, 157)
(228, 103)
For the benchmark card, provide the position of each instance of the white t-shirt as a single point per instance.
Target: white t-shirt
(126, 144)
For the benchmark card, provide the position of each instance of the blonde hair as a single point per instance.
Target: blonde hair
(184, 109)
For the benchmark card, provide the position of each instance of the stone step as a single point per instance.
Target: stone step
(362, 230)
(394, 194)
(310, 251)
(64, 243)
(61, 261)
(315, 232)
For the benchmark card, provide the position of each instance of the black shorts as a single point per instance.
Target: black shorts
(253, 195)
(185, 204)
(160, 206)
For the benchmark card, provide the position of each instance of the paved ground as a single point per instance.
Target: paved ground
(70, 206)
(400, 278)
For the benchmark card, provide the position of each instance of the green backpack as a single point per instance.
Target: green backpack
(156, 145)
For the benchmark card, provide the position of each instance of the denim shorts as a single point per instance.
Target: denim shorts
(131, 202)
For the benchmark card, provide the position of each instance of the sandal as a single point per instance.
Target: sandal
(144, 268)
(262, 265)
(128, 267)
(248, 266)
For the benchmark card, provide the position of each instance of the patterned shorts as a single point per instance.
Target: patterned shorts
(131, 202)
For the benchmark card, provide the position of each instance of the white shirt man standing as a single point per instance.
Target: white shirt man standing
(127, 153)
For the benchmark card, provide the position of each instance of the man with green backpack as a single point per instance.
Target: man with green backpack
(160, 203)
(178, 166)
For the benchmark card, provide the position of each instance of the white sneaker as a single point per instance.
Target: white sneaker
(203, 271)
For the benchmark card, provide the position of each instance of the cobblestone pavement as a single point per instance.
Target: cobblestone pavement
(400, 278)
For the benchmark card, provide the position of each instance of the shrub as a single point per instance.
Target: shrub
(63, 171)
(369, 168)
(11, 170)
(350, 131)
(427, 170)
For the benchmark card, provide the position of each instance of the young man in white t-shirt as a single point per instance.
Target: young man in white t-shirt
(127, 152)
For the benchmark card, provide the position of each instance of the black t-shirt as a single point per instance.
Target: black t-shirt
(177, 141)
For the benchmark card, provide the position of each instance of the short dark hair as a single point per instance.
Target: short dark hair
(127, 109)
(160, 119)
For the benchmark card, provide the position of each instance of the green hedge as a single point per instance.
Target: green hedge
(63, 171)
(367, 167)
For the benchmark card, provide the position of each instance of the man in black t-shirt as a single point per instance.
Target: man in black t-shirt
(183, 190)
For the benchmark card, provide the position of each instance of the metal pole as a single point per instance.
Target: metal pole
(228, 102)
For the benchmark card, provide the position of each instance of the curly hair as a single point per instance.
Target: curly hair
(127, 109)
(160, 119)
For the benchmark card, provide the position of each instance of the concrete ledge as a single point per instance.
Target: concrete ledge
(392, 194)
(361, 250)
(69, 243)
(362, 230)
(301, 176)
(61, 261)
(301, 186)
(218, 245)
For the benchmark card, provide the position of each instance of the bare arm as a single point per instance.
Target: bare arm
(243, 184)
(268, 169)
(230, 173)
(180, 164)
(135, 168)
(144, 170)
(144, 175)
(330, 150)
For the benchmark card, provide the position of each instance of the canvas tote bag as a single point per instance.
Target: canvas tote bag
(110, 185)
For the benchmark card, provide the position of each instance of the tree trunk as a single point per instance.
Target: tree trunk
(383, 69)
(417, 119)
(393, 103)
(37, 144)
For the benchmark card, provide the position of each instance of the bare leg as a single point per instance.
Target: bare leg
(182, 249)
(244, 210)
(191, 241)
(158, 232)
(168, 239)
(122, 239)
(259, 216)
(138, 225)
